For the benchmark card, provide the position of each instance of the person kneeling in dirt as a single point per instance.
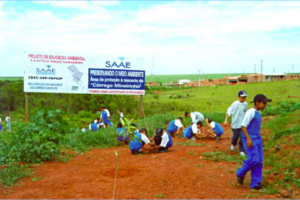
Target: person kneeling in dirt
(122, 134)
(93, 126)
(216, 129)
(175, 127)
(163, 141)
(140, 142)
(192, 131)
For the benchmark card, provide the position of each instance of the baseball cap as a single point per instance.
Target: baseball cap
(262, 98)
(242, 93)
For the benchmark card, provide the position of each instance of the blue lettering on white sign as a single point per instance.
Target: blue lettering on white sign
(116, 79)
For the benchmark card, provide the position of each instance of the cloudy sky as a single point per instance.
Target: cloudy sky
(182, 37)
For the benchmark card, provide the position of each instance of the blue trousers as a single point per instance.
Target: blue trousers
(253, 163)
(238, 134)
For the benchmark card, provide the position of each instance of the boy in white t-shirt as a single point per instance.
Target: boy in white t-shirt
(237, 110)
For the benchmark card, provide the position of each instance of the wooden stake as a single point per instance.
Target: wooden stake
(26, 107)
(141, 106)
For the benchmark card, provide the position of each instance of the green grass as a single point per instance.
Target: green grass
(10, 174)
(190, 143)
(192, 77)
(217, 155)
(11, 78)
(160, 195)
(216, 99)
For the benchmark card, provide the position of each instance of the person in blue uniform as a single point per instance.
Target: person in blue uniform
(192, 131)
(122, 133)
(140, 142)
(93, 126)
(105, 116)
(251, 126)
(216, 129)
(175, 127)
(163, 141)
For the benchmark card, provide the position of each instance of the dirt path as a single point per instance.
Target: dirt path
(178, 174)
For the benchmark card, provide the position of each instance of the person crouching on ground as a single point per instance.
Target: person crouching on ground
(163, 140)
(140, 142)
(251, 125)
(175, 127)
(193, 131)
(122, 134)
(93, 126)
(216, 129)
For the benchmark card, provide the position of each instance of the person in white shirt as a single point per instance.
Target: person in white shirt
(195, 116)
(7, 119)
(175, 127)
(163, 140)
(237, 110)
(121, 115)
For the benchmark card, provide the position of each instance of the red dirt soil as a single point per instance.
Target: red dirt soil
(173, 175)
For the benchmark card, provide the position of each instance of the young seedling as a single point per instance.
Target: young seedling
(117, 168)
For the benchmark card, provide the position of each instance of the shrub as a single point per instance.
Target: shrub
(37, 140)
(282, 107)
(14, 171)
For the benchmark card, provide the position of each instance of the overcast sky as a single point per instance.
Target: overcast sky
(182, 37)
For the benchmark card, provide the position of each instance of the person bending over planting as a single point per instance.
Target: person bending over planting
(163, 140)
(216, 129)
(195, 116)
(175, 127)
(122, 134)
(93, 126)
(140, 142)
(251, 125)
(105, 116)
(193, 131)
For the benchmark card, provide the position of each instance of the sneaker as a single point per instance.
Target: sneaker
(258, 187)
(192, 138)
(217, 138)
(179, 136)
(240, 179)
(242, 153)
(231, 147)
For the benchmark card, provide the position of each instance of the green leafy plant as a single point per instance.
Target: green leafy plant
(37, 140)
(10, 174)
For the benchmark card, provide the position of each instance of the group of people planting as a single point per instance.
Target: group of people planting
(245, 125)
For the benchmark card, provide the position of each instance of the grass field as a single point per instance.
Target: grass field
(192, 77)
(11, 78)
(216, 99)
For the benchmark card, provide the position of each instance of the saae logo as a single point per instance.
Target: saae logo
(125, 65)
(45, 71)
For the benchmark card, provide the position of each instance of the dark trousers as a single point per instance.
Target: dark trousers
(238, 135)
(157, 140)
